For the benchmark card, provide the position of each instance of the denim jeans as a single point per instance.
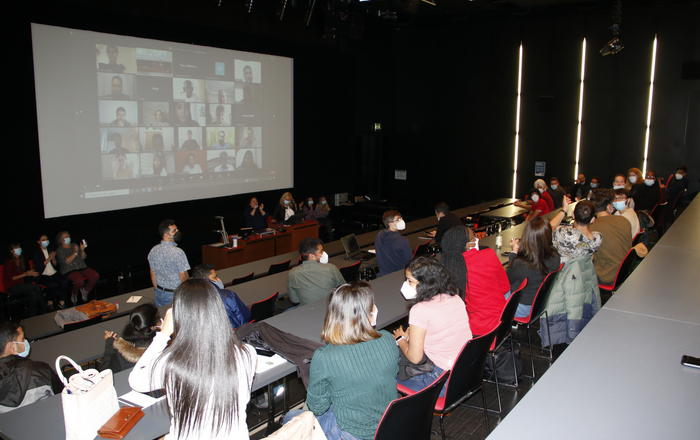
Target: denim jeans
(328, 424)
(522, 311)
(420, 382)
(163, 297)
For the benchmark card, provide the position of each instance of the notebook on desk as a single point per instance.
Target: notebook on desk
(352, 249)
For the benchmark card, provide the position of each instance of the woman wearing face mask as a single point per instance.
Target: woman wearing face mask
(309, 210)
(22, 380)
(438, 324)
(323, 210)
(13, 276)
(533, 258)
(71, 260)
(577, 240)
(353, 377)
(46, 265)
(122, 353)
(284, 209)
(648, 194)
(480, 275)
(538, 207)
(634, 177)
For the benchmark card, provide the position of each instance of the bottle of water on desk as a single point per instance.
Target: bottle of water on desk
(499, 238)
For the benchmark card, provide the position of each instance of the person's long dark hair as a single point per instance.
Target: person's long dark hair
(453, 244)
(201, 365)
(19, 261)
(536, 245)
(141, 327)
(433, 279)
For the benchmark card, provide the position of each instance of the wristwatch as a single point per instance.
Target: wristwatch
(399, 339)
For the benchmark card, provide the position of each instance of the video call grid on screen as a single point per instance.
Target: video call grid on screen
(127, 122)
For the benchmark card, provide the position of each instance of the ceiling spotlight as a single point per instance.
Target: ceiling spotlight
(615, 45)
(612, 47)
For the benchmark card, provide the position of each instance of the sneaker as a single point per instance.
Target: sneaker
(84, 294)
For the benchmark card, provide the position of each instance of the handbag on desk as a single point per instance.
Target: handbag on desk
(89, 400)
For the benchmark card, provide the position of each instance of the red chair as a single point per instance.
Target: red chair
(420, 249)
(466, 378)
(622, 273)
(242, 280)
(539, 308)
(411, 417)
(263, 309)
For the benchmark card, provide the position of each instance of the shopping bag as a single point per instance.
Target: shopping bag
(89, 400)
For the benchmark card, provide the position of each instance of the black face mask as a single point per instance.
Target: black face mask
(177, 237)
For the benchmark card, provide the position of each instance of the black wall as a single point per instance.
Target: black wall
(445, 96)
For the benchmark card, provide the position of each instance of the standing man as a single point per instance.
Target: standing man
(314, 278)
(393, 250)
(446, 221)
(168, 263)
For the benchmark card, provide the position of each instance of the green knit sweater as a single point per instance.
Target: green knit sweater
(359, 380)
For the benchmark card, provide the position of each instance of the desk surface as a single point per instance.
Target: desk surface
(509, 211)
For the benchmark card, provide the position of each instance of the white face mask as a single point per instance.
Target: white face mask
(24, 353)
(535, 198)
(679, 176)
(476, 244)
(408, 291)
(649, 182)
(541, 190)
(324, 258)
(373, 316)
(618, 186)
(632, 179)
(401, 225)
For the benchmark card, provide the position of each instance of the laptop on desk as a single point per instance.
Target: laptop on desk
(352, 249)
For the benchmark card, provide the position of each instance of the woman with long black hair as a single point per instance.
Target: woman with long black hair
(206, 372)
(123, 351)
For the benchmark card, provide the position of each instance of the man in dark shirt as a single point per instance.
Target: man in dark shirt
(581, 188)
(255, 216)
(118, 149)
(446, 221)
(556, 192)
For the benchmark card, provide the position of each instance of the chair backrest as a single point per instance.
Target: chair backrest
(420, 249)
(542, 295)
(625, 268)
(678, 197)
(411, 417)
(468, 370)
(279, 267)
(507, 316)
(263, 309)
(82, 324)
(243, 279)
(638, 238)
(350, 273)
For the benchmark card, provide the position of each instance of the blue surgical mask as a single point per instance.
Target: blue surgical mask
(25, 353)
(286, 202)
(324, 202)
(311, 202)
(17, 251)
(619, 205)
(554, 186)
(219, 284)
(594, 185)
(45, 243)
(66, 240)
(649, 182)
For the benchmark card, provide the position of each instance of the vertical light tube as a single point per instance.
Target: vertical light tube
(580, 107)
(517, 119)
(651, 95)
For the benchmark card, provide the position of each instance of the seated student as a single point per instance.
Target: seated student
(323, 210)
(621, 203)
(536, 204)
(446, 221)
(237, 312)
(314, 278)
(533, 258)
(556, 192)
(634, 178)
(308, 209)
(207, 404)
(393, 250)
(353, 377)
(438, 323)
(14, 275)
(284, 209)
(480, 275)
(255, 216)
(675, 186)
(580, 189)
(647, 195)
(617, 236)
(22, 380)
(45, 264)
(577, 240)
(122, 352)
(544, 195)
(71, 260)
